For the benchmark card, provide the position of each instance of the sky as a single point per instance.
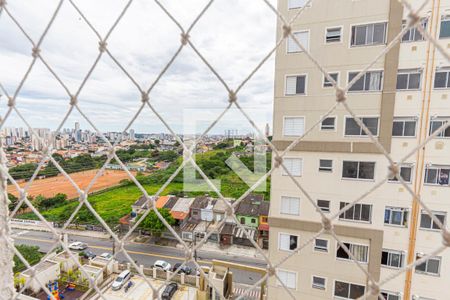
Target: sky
(233, 36)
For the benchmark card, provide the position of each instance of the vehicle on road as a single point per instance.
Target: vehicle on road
(78, 246)
(88, 254)
(170, 289)
(120, 281)
(163, 265)
(106, 255)
(184, 269)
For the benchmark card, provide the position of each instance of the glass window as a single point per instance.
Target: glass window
(318, 282)
(288, 242)
(292, 4)
(333, 35)
(326, 165)
(328, 123)
(405, 173)
(392, 258)
(442, 78)
(359, 170)
(413, 34)
(408, 79)
(430, 266)
(327, 83)
(294, 166)
(303, 39)
(294, 126)
(404, 127)
(348, 290)
(370, 81)
(295, 85)
(368, 34)
(396, 216)
(324, 205)
(358, 212)
(445, 27)
(352, 127)
(290, 205)
(289, 279)
(426, 222)
(436, 124)
(321, 245)
(390, 295)
(437, 175)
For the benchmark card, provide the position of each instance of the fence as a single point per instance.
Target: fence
(7, 248)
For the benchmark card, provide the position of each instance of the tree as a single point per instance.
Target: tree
(153, 224)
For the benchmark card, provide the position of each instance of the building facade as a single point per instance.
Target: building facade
(402, 98)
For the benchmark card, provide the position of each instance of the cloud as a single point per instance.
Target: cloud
(233, 35)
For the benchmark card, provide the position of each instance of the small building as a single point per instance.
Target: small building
(65, 261)
(46, 271)
(201, 230)
(214, 229)
(181, 209)
(103, 263)
(141, 205)
(243, 236)
(248, 210)
(196, 208)
(96, 273)
(263, 228)
(220, 208)
(226, 234)
(171, 202)
(187, 230)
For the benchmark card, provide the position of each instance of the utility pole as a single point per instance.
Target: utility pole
(6, 254)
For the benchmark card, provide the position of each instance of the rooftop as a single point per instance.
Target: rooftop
(253, 205)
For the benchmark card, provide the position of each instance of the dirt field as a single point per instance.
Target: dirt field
(49, 187)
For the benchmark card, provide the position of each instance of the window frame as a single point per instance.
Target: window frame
(390, 252)
(423, 20)
(409, 72)
(324, 79)
(404, 120)
(288, 213)
(350, 249)
(403, 210)
(386, 31)
(301, 166)
(349, 289)
(293, 117)
(447, 78)
(329, 204)
(334, 126)
(431, 228)
(342, 216)
(364, 76)
(320, 249)
(290, 235)
(362, 133)
(443, 18)
(295, 75)
(298, 7)
(358, 170)
(341, 39)
(427, 272)
(389, 293)
(300, 51)
(319, 287)
(444, 120)
(325, 169)
(395, 180)
(287, 271)
(438, 169)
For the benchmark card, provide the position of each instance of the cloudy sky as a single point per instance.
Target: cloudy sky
(233, 35)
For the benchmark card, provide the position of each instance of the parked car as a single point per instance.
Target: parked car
(78, 246)
(184, 269)
(170, 289)
(106, 255)
(163, 265)
(120, 281)
(88, 254)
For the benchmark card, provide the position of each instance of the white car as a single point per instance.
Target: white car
(120, 281)
(106, 255)
(78, 246)
(162, 264)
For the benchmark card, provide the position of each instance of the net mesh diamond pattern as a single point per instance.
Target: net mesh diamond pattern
(232, 93)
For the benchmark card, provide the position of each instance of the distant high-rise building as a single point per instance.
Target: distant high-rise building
(132, 135)
(401, 99)
(267, 131)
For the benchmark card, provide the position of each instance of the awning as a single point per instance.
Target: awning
(263, 227)
(240, 233)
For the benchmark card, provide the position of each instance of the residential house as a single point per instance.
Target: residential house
(263, 228)
(181, 209)
(248, 210)
(198, 204)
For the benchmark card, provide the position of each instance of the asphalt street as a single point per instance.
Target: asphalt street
(144, 253)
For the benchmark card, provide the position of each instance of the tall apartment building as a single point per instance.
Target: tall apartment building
(402, 98)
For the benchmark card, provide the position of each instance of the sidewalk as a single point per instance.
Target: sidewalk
(86, 233)
(233, 250)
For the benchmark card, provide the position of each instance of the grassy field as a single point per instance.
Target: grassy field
(114, 203)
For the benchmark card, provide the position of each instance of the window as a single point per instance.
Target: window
(437, 175)
(294, 126)
(358, 169)
(328, 123)
(318, 282)
(253, 221)
(408, 79)
(243, 220)
(324, 205)
(290, 205)
(294, 166)
(289, 279)
(370, 81)
(413, 34)
(437, 123)
(404, 127)
(333, 35)
(442, 78)
(302, 37)
(321, 245)
(427, 223)
(392, 258)
(347, 290)
(327, 83)
(445, 27)
(326, 165)
(396, 216)
(390, 295)
(288, 242)
(405, 173)
(358, 212)
(264, 219)
(352, 128)
(430, 266)
(295, 85)
(360, 252)
(369, 34)
(292, 4)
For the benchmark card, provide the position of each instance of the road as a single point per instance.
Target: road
(143, 253)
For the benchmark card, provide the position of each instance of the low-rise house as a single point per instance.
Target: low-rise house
(96, 273)
(219, 209)
(248, 210)
(171, 202)
(187, 230)
(45, 271)
(226, 234)
(104, 263)
(181, 209)
(197, 205)
(141, 205)
(263, 228)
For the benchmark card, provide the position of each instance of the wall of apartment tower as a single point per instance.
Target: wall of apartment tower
(412, 108)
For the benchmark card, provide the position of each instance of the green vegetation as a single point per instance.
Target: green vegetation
(114, 203)
(153, 224)
(30, 253)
